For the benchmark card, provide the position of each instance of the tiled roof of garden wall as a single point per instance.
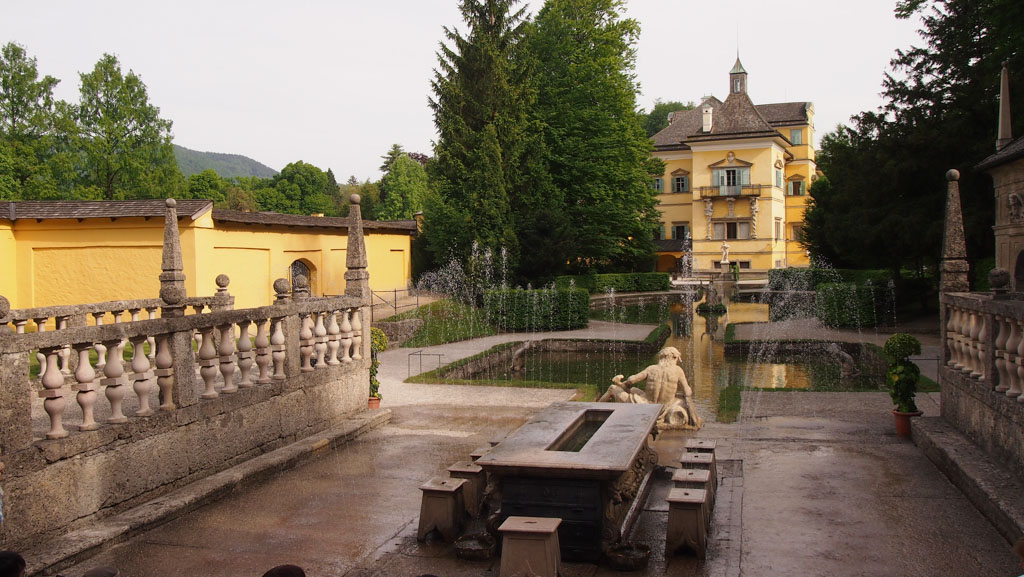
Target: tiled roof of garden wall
(79, 209)
(296, 220)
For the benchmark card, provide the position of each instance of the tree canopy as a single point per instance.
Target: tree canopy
(883, 202)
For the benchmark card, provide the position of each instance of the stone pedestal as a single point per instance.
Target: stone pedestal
(701, 461)
(686, 526)
(441, 508)
(701, 445)
(530, 547)
(697, 479)
(473, 490)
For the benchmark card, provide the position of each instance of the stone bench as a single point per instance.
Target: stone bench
(701, 445)
(442, 508)
(686, 526)
(530, 547)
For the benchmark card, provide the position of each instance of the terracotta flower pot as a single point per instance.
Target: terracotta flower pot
(373, 403)
(902, 422)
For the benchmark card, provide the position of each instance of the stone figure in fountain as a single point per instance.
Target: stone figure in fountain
(664, 380)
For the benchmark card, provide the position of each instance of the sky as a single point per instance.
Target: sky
(335, 83)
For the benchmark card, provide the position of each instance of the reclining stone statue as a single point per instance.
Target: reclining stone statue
(664, 380)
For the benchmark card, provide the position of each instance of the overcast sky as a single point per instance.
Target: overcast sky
(335, 83)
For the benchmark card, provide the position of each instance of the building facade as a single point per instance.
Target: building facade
(736, 173)
(57, 253)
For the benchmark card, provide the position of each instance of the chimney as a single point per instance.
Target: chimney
(707, 119)
(1005, 131)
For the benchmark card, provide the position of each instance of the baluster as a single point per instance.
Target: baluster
(19, 326)
(244, 354)
(333, 338)
(971, 329)
(86, 387)
(320, 341)
(122, 342)
(1012, 342)
(346, 336)
(262, 351)
(980, 348)
(208, 364)
(101, 351)
(227, 357)
(41, 328)
(277, 348)
(951, 332)
(114, 381)
(54, 403)
(65, 352)
(306, 344)
(142, 375)
(1000, 353)
(357, 335)
(1016, 384)
(150, 315)
(165, 372)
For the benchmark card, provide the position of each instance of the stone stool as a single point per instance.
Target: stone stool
(473, 490)
(686, 521)
(442, 508)
(697, 479)
(529, 547)
(480, 452)
(701, 461)
(701, 445)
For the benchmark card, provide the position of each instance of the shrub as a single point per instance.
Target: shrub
(378, 343)
(903, 374)
(537, 310)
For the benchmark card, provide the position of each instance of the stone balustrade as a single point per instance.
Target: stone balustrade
(320, 333)
(984, 341)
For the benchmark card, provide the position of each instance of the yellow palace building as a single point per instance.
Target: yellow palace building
(62, 253)
(735, 173)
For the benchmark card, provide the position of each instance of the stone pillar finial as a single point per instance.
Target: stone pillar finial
(953, 267)
(5, 306)
(300, 288)
(1005, 135)
(172, 277)
(282, 291)
(357, 279)
(222, 299)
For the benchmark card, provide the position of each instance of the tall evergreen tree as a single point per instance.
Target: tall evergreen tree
(481, 105)
(598, 148)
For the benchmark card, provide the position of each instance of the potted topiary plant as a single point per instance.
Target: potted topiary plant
(378, 343)
(902, 378)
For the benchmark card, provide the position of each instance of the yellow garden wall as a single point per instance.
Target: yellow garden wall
(67, 261)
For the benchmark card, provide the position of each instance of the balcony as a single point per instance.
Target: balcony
(732, 191)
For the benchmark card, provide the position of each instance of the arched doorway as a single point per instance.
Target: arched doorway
(305, 268)
(1018, 272)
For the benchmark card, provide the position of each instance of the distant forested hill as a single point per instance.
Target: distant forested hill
(226, 165)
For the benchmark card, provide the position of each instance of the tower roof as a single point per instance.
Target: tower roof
(738, 67)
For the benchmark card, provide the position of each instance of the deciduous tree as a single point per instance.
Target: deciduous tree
(404, 188)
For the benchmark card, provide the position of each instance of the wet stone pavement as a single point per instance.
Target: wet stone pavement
(812, 484)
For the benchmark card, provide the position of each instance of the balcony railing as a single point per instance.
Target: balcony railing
(728, 191)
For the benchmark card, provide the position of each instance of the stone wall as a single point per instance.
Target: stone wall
(992, 421)
(399, 331)
(54, 485)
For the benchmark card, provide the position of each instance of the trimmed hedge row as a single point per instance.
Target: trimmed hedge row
(621, 282)
(537, 310)
(844, 305)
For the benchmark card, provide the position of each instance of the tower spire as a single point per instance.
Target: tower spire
(1005, 130)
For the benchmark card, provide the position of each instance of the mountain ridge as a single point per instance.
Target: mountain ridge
(226, 165)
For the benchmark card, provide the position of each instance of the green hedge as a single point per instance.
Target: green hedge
(807, 279)
(621, 282)
(537, 310)
(844, 305)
